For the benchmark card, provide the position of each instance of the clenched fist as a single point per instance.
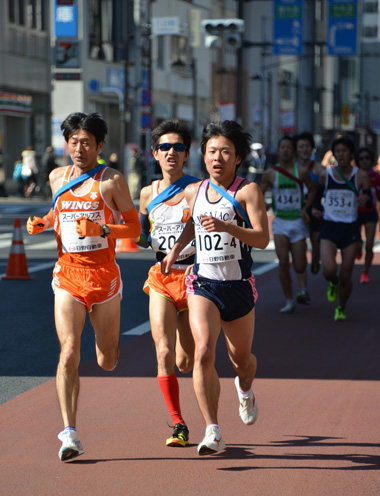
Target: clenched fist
(86, 227)
(36, 225)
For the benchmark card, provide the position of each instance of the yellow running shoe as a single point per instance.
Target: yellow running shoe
(180, 436)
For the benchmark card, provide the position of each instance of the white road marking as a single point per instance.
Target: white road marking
(139, 330)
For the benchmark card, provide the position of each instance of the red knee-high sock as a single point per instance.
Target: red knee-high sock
(170, 391)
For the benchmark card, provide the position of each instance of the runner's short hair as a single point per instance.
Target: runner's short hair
(93, 123)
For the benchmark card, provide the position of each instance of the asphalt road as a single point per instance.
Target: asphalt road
(317, 387)
(29, 346)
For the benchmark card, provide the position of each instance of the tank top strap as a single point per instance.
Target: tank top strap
(155, 186)
(235, 185)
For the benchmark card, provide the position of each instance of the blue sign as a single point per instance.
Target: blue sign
(288, 27)
(146, 120)
(66, 19)
(342, 35)
(94, 84)
(146, 98)
(116, 78)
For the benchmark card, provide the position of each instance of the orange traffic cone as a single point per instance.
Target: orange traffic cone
(17, 267)
(127, 245)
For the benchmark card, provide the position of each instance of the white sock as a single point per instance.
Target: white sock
(244, 395)
(212, 426)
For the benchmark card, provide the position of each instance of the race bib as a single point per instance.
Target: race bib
(71, 242)
(164, 237)
(340, 202)
(288, 199)
(217, 247)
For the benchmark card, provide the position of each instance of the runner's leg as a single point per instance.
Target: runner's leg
(205, 325)
(70, 316)
(105, 319)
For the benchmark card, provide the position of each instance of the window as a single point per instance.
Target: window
(11, 11)
(160, 52)
(371, 6)
(370, 32)
(106, 34)
(31, 13)
(21, 13)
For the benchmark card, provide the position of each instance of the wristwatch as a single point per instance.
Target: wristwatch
(106, 231)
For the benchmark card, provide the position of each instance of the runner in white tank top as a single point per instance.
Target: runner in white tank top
(227, 300)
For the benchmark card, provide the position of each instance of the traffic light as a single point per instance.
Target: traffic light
(230, 29)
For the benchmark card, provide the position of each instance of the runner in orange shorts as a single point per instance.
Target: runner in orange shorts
(163, 215)
(89, 201)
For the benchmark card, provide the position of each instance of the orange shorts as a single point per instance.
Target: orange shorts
(171, 287)
(88, 285)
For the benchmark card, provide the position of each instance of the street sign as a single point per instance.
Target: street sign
(146, 120)
(146, 98)
(342, 26)
(165, 25)
(94, 84)
(65, 18)
(288, 27)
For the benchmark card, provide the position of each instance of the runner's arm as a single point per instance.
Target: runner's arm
(143, 239)
(317, 208)
(252, 200)
(36, 225)
(129, 229)
(145, 197)
(186, 237)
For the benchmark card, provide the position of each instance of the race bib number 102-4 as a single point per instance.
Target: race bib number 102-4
(218, 247)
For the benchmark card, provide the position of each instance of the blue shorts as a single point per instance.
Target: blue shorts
(342, 234)
(234, 299)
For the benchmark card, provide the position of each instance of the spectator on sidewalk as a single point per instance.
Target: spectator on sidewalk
(3, 191)
(48, 164)
(29, 169)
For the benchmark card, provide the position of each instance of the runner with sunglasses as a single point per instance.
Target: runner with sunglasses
(163, 215)
(228, 218)
(367, 216)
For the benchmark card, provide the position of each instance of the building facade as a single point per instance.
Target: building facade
(25, 85)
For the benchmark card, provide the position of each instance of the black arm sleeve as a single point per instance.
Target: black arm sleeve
(318, 197)
(368, 193)
(144, 240)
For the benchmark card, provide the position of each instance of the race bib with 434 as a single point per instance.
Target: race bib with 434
(288, 199)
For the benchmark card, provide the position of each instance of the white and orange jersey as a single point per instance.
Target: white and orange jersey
(167, 223)
(71, 205)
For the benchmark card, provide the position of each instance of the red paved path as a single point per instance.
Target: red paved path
(318, 390)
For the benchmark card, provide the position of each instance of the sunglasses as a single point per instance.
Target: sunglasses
(165, 147)
(364, 157)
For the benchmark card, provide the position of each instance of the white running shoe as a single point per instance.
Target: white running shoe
(248, 409)
(289, 307)
(212, 442)
(71, 446)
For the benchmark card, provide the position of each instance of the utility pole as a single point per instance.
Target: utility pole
(239, 69)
